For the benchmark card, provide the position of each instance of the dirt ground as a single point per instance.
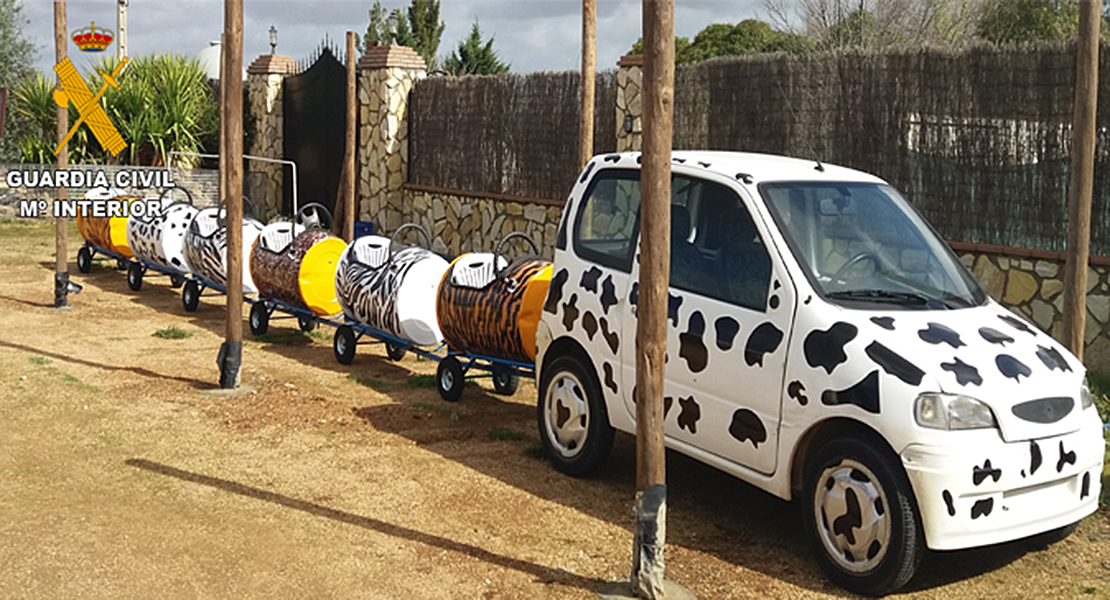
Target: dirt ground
(123, 474)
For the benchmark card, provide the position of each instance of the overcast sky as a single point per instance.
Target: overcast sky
(531, 35)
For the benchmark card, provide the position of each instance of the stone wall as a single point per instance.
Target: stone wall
(265, 89)
(629, 103)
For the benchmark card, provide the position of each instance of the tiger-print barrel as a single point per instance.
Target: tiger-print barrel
(486, 321)
(277, 274)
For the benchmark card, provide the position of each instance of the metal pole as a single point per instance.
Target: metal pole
(589, 62)
(651, 323)
(121, 29)
(61, 225)
(349, 175)
(1082, 178)
(231, 353)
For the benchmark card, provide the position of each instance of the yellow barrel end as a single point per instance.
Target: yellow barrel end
(317, 276)
(531, 305)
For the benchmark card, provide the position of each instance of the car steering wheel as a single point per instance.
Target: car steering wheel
(855, 260)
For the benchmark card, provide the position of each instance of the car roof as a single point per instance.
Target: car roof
(758, 168)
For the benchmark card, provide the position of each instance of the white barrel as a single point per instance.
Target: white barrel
(160, 238)
(391, 287)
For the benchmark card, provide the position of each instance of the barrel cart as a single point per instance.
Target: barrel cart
(488, 309)
(387, 290)
(205, 252)
(158, 240)
(106, 236)
(294, 268)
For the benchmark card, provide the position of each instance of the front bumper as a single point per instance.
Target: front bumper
(1027, 488)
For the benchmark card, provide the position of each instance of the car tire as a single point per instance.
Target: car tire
(259, 319)
(860, 516)
(344, 344)
(84, 260)
(505, 382)
(190, 296)
(450, 379)
(135, 276)
(395, 353)
(572, 417)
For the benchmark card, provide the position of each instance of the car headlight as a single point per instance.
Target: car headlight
(1085, 399)
(951, 412)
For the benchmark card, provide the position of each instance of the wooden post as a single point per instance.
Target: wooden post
(231, 353)
(589, 62)
(61, 225)
(349, 173)
(1082, 178)
(651, 324)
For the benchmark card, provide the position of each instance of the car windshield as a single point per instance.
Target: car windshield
(862, 244)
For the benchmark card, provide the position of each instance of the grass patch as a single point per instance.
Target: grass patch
(421, 381)
(117, 339)
(1086, 589)
(320, 335)
(374, 384)
(40, 360)
(173, 332)
(439, 409)
(283, 338)
(535, 451)
(501, 434)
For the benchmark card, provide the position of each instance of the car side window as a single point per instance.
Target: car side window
(608, 220)
(716, 250)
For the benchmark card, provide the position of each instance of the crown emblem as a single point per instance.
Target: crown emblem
(92, 39)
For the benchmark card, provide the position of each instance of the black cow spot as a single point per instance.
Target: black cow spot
(667, 402)
(964, 372)
(776, 285)
(608, 294)
(680, 161)
(1017, 323)
(691, 412)
(639, 159)
(176, 261)
(978, 474)
(864, 394)
(826, 348)
(746, 178)
(589, 323)
(704, 164)
(727, 328)
(794, 390)
(634, 295)
(673, 304)
(1035, 458)
(851, 519)
(774, 302)
(1066, 458)
(947, 495)
(1052, 358)
(611, 337)
(747, 426)
(939, 334)
(764, 340)
(555, 292)
(1011, 367)
(982, 508)
(884, 322)
(995, 336)
(894, 364)
(570, 312)
(806, 301)
(609, 382)
(691, 346)
(586, 173)
(613, 158)
(561, 237)
(1085, 488)
(589, 279)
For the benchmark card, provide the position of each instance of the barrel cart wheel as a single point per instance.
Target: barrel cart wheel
(307, 324)
(449, 379)
(121, 264)
(505, 382)
(260, 319)
(394, 353)
(84, 259)
(344, 344)
(135, 276)
(176, 281)
(190, 296)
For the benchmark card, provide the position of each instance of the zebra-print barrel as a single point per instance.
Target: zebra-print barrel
(395, 295)
(497, 319)
(160, 238)
(205, 248)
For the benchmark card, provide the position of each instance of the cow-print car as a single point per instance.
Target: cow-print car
(822, 341)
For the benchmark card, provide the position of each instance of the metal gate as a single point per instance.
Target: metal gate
(315, 124)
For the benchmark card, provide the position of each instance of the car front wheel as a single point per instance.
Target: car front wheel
(572, 418)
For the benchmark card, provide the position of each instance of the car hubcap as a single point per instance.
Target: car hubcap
(447, 381)
(566, 414)
(853, 516)
(341, 344)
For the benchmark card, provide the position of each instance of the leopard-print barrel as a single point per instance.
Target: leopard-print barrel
(486, 321)
(277, 274)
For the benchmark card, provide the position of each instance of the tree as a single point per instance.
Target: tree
(746, 37)
(879, 23)
(427, 29)
(472, 57)
(418, 27)
(376, 31)
(17, 55)
(1009, 21)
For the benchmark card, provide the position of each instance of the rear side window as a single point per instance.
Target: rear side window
(608, 220)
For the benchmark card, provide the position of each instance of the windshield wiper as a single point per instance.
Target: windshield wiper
(888, 297)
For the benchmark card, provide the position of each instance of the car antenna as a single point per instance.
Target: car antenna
(820, 167)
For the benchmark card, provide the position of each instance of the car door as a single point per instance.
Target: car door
(730, 305)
